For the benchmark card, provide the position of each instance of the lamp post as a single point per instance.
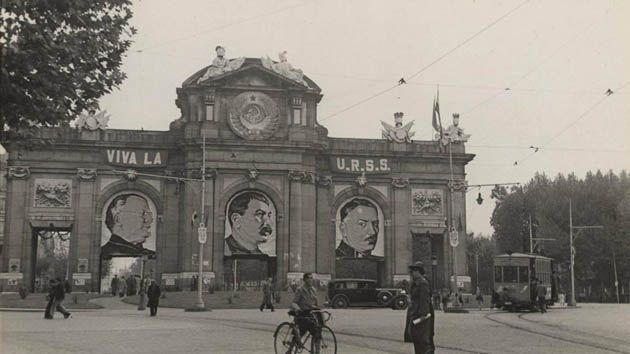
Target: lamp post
(202, 231)
(571, 238)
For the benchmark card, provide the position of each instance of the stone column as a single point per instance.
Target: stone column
(86, 230)
(309, 210)
(401, 234)
(295, 221)
(16, 227)
(325, 237)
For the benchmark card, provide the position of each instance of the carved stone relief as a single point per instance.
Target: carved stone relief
(400, 182)
(53, 193)
(426, 202)
(253, 116)
(18, 172)
(86, 174)
(324, 181)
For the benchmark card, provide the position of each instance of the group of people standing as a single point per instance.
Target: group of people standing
(124, 287)
(57, 289)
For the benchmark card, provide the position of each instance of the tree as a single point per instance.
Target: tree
(57, 58)
(598, 199)
(480, 250)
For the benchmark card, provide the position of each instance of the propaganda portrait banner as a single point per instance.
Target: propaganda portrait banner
(360, 232)
(250, 225)
(129, 226)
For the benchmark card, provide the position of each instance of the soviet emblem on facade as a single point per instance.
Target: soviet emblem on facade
(253, 116)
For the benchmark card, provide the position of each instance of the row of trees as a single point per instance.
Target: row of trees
(598, 199)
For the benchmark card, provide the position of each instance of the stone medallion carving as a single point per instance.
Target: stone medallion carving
(19, 172)
(53, 193)
(253, 116)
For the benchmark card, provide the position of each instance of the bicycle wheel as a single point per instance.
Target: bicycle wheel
(283, 342)
(328, 343)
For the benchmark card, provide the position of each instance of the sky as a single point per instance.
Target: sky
(520, 73)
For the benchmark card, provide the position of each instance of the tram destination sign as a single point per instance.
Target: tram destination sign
(136, 157)
(365, 165)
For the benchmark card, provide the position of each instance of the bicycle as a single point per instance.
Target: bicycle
(287, 339)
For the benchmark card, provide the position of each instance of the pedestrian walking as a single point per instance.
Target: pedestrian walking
(122, 287)
(60, 295)
(48, 313)
(267, 301)
(541, 292)
(495, 299)
(153, 294)
(114, 285)
(419, 323)
(479, 298)
(446, 294)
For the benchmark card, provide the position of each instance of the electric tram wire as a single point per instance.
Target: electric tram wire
(408, 78)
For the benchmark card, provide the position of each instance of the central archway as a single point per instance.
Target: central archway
(250, 240)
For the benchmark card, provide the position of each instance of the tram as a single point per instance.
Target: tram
(513, 280)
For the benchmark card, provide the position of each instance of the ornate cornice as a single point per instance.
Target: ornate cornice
(252, 174)
(362, 180)
(86, 174)
(297, 176)
(400, 182)
(324, 181)
(458, 186)
(19, 172)
(173, 175)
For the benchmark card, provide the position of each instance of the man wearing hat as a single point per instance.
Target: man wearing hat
(420, 311)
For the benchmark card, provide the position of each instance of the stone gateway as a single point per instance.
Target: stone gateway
(281, 197)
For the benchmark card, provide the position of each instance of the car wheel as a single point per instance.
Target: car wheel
(401, 303)
(384, 297)
(340, 302)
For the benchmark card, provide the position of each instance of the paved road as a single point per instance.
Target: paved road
(592, 329)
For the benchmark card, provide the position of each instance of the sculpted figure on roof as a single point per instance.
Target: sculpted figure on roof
(284, 68)
(221, 65)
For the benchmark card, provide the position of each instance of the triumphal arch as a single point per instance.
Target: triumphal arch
(281, 196)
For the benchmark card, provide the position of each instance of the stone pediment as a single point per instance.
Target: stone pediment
(252, 72)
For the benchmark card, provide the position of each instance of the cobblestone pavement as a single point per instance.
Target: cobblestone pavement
(589, 329)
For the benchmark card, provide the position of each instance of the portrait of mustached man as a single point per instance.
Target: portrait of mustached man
(250, 215)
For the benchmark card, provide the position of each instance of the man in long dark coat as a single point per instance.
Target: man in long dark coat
(421, 308)
(52, 289)
(153, 293)
(267, 301)
(114, 285)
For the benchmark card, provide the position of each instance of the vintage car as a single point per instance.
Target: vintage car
(363, 292)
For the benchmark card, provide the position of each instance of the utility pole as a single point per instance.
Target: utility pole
(616, 280)
(531, 238)
(579, 228)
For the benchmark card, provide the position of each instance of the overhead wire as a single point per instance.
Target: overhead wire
(398, 82)
(575, 121)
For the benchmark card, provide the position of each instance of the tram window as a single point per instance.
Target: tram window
(497, 274)
(509, 274)
(523, 275)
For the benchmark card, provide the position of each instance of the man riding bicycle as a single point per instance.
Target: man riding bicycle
(304, 302)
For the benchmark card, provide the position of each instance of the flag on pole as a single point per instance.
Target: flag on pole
(437, 120)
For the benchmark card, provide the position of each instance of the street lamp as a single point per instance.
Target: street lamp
(579, 228)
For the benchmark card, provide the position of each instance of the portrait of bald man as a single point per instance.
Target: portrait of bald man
(129, 219)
